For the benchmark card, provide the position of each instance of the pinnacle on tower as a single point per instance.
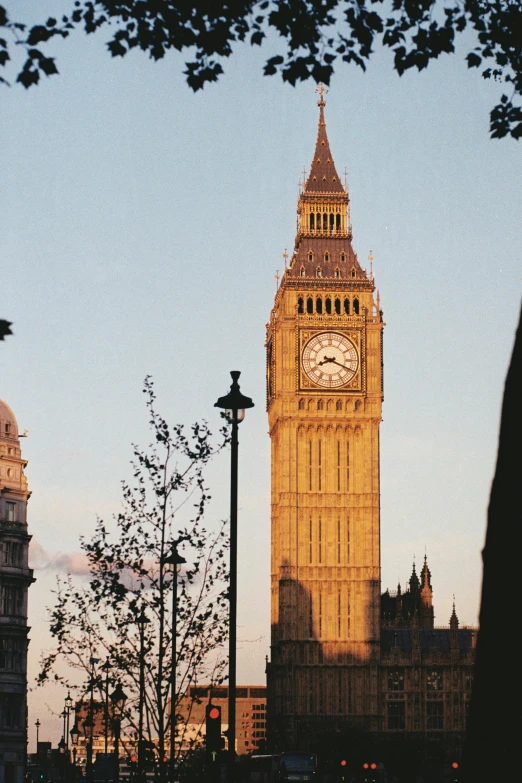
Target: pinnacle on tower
(323, 177)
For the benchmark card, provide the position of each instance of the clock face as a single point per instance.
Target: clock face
(330, 359)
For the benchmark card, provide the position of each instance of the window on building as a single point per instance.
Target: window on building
(434, 680)
(300, 305)
(356, 306)
(10, 654)
(11, 600)
(11, 711)
(302, 271)
(396, 715)
(11, 553)
(395, 679)
(301, 404)
(435, 715)
(11, 511)
(338, 307)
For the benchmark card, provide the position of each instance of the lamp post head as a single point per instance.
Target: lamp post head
(68, 701)
(88, 726)
(174, 559)
(118, 698)
(75, 733)
(38, 724)
(234, 403)
(142, 620)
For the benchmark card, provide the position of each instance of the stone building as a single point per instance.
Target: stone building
(350, 670)
(15, 578)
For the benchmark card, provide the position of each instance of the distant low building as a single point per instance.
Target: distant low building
(250, 715)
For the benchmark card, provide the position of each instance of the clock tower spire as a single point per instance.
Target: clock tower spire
(324, 399)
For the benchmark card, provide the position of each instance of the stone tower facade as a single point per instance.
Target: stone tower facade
(353, 673)
(324, 399)
(15, 578)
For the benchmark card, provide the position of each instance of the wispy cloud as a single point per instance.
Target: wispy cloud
(73, 563)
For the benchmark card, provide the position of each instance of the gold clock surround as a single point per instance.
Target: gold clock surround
(354, 384)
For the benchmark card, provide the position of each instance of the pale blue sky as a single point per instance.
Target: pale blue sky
(141, 229)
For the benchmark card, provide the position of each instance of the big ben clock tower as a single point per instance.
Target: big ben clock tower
(324, 401)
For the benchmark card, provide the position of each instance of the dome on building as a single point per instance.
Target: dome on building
(8, 424)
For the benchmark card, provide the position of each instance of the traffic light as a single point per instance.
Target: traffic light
(342, 765)
(133, 766)
(213, 732)
(455, 772)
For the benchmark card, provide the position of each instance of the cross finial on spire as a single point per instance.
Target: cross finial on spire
(277, 276)
(370, 259)
(322, 89)
(285, 256)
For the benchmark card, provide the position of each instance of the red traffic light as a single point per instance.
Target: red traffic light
(455, 764)
(214, 713)
(343, 763)
(134, 759)
(373, 765)
(365, 765)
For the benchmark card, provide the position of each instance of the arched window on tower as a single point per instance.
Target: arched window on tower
(301, 404)
(338, 306)
(347, 306)
(318, 272)
(343, 257)
(318, 221)
(312, 222)
(319, 305)
(353, 271)
(326, 256)
(320, 405)
(328, 306)
(338, 405)
(332, 222)
(302, 271)
(337, 273)
(300, 305)
(338, 222)
(356, 306)
(325, 221)
(309, 305)
(310, 256)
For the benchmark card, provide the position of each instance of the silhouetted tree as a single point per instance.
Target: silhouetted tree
(165, 502)
(316, 35)
(492, 738)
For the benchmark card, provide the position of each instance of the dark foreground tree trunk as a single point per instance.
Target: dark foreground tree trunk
(493, 747)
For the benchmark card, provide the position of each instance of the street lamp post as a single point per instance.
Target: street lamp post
(142, 621)
(61, 747)
(88, 724)
(88, 728)
(118, 699)
(234, 403)
(175, 560)
(68, 707)
(37, 724)
(75, 733)
(106, 668)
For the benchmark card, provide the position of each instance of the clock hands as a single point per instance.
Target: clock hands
(333, 360)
